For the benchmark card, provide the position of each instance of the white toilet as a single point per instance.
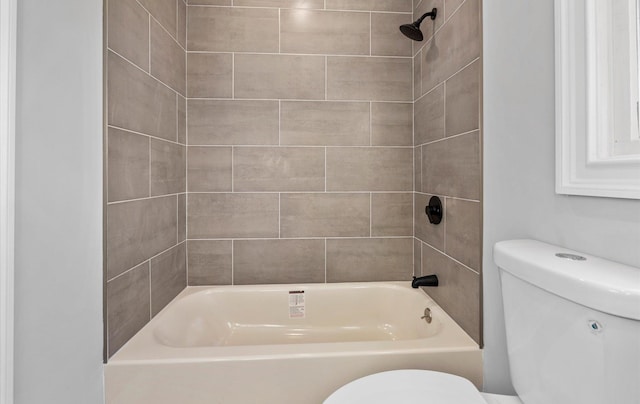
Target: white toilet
(573, 336)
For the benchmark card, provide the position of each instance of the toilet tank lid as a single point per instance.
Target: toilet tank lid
(597, 283)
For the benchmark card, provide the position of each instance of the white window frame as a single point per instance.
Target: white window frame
(585, 163)
(8, 21)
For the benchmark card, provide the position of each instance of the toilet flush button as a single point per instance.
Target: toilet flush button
(595, 327)
(572, 257)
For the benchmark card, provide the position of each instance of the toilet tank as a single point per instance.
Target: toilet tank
(573, 325)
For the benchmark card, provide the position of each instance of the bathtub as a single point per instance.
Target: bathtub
(284, 343)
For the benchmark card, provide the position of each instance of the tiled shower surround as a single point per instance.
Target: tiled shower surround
(281, 147)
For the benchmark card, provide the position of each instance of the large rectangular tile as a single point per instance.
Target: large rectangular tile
(167, 59)
(168, 173)
(227, 122)
(417, 257)
(222, 29)
(391, 124)
(278, 261)
(401, 6)
(308, 4)
(458, 292)
(324, 32)
(209, 169)
(463, 100)
(232, 216)
(278, 169)
(453, 47)
(127, 165)
(369, 259)
(128, 305)
(417, 75)
(375, 79)
(209, 262)
(392, 214)
(369, 169)
(168, 276)
(386, 38)
(182, 120)
(182, 217)
(164, 11)
(138, 102)
(181, 35)
(128, 31)
(324, 215)
(464, 232)
(324, 123)
(432, 234)
(138, 230)
(429, 117)
(452, 167)
(209, 75)
(279, 76)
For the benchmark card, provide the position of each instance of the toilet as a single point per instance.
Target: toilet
(573, 336)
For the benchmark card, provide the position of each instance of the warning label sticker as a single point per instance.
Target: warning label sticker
(296, 304)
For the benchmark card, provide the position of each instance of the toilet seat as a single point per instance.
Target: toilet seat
(408, 387)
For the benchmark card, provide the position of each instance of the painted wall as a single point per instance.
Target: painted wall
(58, 245)
(447, 136)
(519, 165)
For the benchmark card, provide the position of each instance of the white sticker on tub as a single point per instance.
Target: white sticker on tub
(296, 304)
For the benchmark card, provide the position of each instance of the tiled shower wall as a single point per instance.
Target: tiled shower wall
(145, 162)
(448, 139)
(300, 141)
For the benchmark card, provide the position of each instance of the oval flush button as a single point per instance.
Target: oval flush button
(571, 256)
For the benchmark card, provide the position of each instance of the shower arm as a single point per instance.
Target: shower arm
(433, 13)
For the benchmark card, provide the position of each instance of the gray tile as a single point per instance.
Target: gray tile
(324, 215)
(209, 169)
(391, 124)
(308, 4)
(182, 24)
(369, 259)
(417, 257)
(279, 76)
(168, 174)
(453, 47)
(128, 31)
(386, 38)
(417, 169)
(127, 165)
(278, 169)
(429, 116)
(417, 76)
(278, 261)
(369, 169)
(432, 234)
(209, 75)
(392, 214)
(452, 6)
(164, 11)
(463, 100)
(209, 2)
(168, 276)
(138, 102)
(182, 217)
(458, 292)
(217, 29)
(401, 6)
(127, 306)
(324, 32)
(182, 119)
(375, 79)
(232, 216)
(167, 59)
(452, 167)
(138, 230)
(227, 122)
(324, 123)
(464, 232)
(209, 262)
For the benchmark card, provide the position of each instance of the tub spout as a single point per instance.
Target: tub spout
(428, 280)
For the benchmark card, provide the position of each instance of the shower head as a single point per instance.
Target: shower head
(412, 31)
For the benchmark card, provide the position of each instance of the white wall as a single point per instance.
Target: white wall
(58, 261)
(519, 160)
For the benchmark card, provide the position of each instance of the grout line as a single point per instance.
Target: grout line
(149, 44)
(370, 123)
(279, 122)
(326, 80)
(232, 263)
(232, 171)
(290, 8)
(370, 214)
(140, 199)
(325, 260)
(279, 30)
(143, 261)
(148, 73)
(284, 192)
(317, 55)
(299, 100)
(279, 216)
(370, 34)
(149, 146)
(450, 137)
(325, 169)
(450, 197)
(303, 238)
(233, 75)
(150, 297)
(110, 126)
(448, 78)
(303, 146)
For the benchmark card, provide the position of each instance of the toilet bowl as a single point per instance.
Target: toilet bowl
(573, 336)
(410, 386)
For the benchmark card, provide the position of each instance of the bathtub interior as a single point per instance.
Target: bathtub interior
(251, 315)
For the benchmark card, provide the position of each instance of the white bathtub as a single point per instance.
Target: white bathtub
(267, 344)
